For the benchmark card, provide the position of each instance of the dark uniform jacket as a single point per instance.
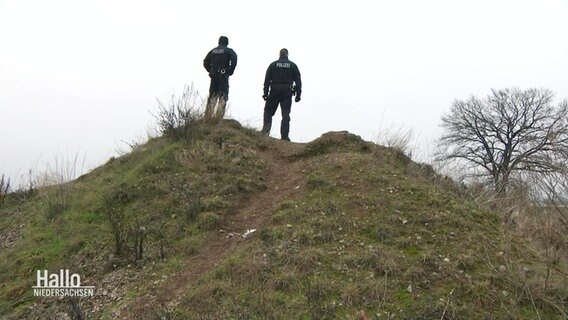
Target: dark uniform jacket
(283, 72)
(220, 60)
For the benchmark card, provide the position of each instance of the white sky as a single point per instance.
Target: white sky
(79, 76)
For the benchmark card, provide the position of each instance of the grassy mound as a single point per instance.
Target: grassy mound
(342, 225)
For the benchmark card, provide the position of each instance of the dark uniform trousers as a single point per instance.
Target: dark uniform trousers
(279, 94)
(218, 91)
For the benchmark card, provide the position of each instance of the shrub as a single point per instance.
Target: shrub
(59, 186)
(180, 119)
(116, 216)
(55, 202)
(4, 188)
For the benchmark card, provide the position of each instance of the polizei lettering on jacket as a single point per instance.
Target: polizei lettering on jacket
(218, 51)
(282, 65)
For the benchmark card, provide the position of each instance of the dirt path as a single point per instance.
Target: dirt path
(285, 179)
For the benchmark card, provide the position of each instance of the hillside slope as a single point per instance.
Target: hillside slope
(342, 225)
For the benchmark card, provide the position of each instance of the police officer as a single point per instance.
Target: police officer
(282, 81)
(220, 62)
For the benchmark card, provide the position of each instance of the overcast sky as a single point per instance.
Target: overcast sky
(77, 77)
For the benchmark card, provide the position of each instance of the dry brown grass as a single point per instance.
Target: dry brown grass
(4, 188)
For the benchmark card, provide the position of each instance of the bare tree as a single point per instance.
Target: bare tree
(552, 191)
(510, 131)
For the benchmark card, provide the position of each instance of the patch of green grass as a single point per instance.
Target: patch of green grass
(412, 250)
(317, 182)
(175, 264)
(208, 221)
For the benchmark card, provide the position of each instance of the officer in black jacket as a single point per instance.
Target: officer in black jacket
(220, 62)
(282, 81)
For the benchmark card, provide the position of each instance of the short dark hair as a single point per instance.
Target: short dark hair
(284, 52)
(224, 41)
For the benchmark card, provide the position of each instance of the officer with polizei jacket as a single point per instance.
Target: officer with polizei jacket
(282, 81)
(220, 62)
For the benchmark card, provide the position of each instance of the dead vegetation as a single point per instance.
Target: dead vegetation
(4, 189)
